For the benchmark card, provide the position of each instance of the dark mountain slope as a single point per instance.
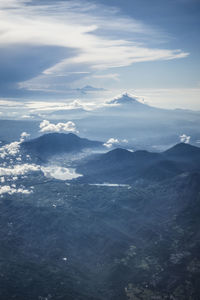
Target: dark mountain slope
(56, 143)
(162, 170)
(183, 151)
(118, 165)
(123, 166)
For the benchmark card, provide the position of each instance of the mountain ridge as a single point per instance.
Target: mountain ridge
(123, 166)
(56, 143)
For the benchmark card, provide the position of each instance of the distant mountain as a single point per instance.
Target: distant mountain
(126, 117)
(126, 99)
(123, 117)
(56, 143)
(88, 88)
(128, 103)
(183, 150)
(123, 166)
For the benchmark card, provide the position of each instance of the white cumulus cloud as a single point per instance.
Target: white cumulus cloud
(23, 136)
(18, 169)
(2, 179)
(60, 172)
(13, 148)
(6, 189)
(185, 138)
(112, 141)
(10, 149)
(46, 126)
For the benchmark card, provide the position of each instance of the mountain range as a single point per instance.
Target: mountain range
(87, 242)
(81, 239)
(123, 166)
(124, 117)
(118, 165)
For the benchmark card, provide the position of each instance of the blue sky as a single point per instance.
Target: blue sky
(94, 50)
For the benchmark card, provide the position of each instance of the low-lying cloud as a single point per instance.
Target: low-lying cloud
(6, 189)
(17, 170)
(60, 173)
(13, 148)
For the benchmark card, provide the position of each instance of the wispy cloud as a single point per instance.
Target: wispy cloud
(171, 97)
(113, 76)
(78, 39)
(42, 109)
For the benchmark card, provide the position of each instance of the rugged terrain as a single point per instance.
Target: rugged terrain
(64, 239)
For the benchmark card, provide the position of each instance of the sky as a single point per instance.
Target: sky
(91, 51)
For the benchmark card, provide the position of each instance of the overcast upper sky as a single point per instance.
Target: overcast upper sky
(94, 50)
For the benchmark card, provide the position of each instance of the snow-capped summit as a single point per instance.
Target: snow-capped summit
(125, 98)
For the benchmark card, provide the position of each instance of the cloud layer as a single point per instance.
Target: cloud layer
(72, 40)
